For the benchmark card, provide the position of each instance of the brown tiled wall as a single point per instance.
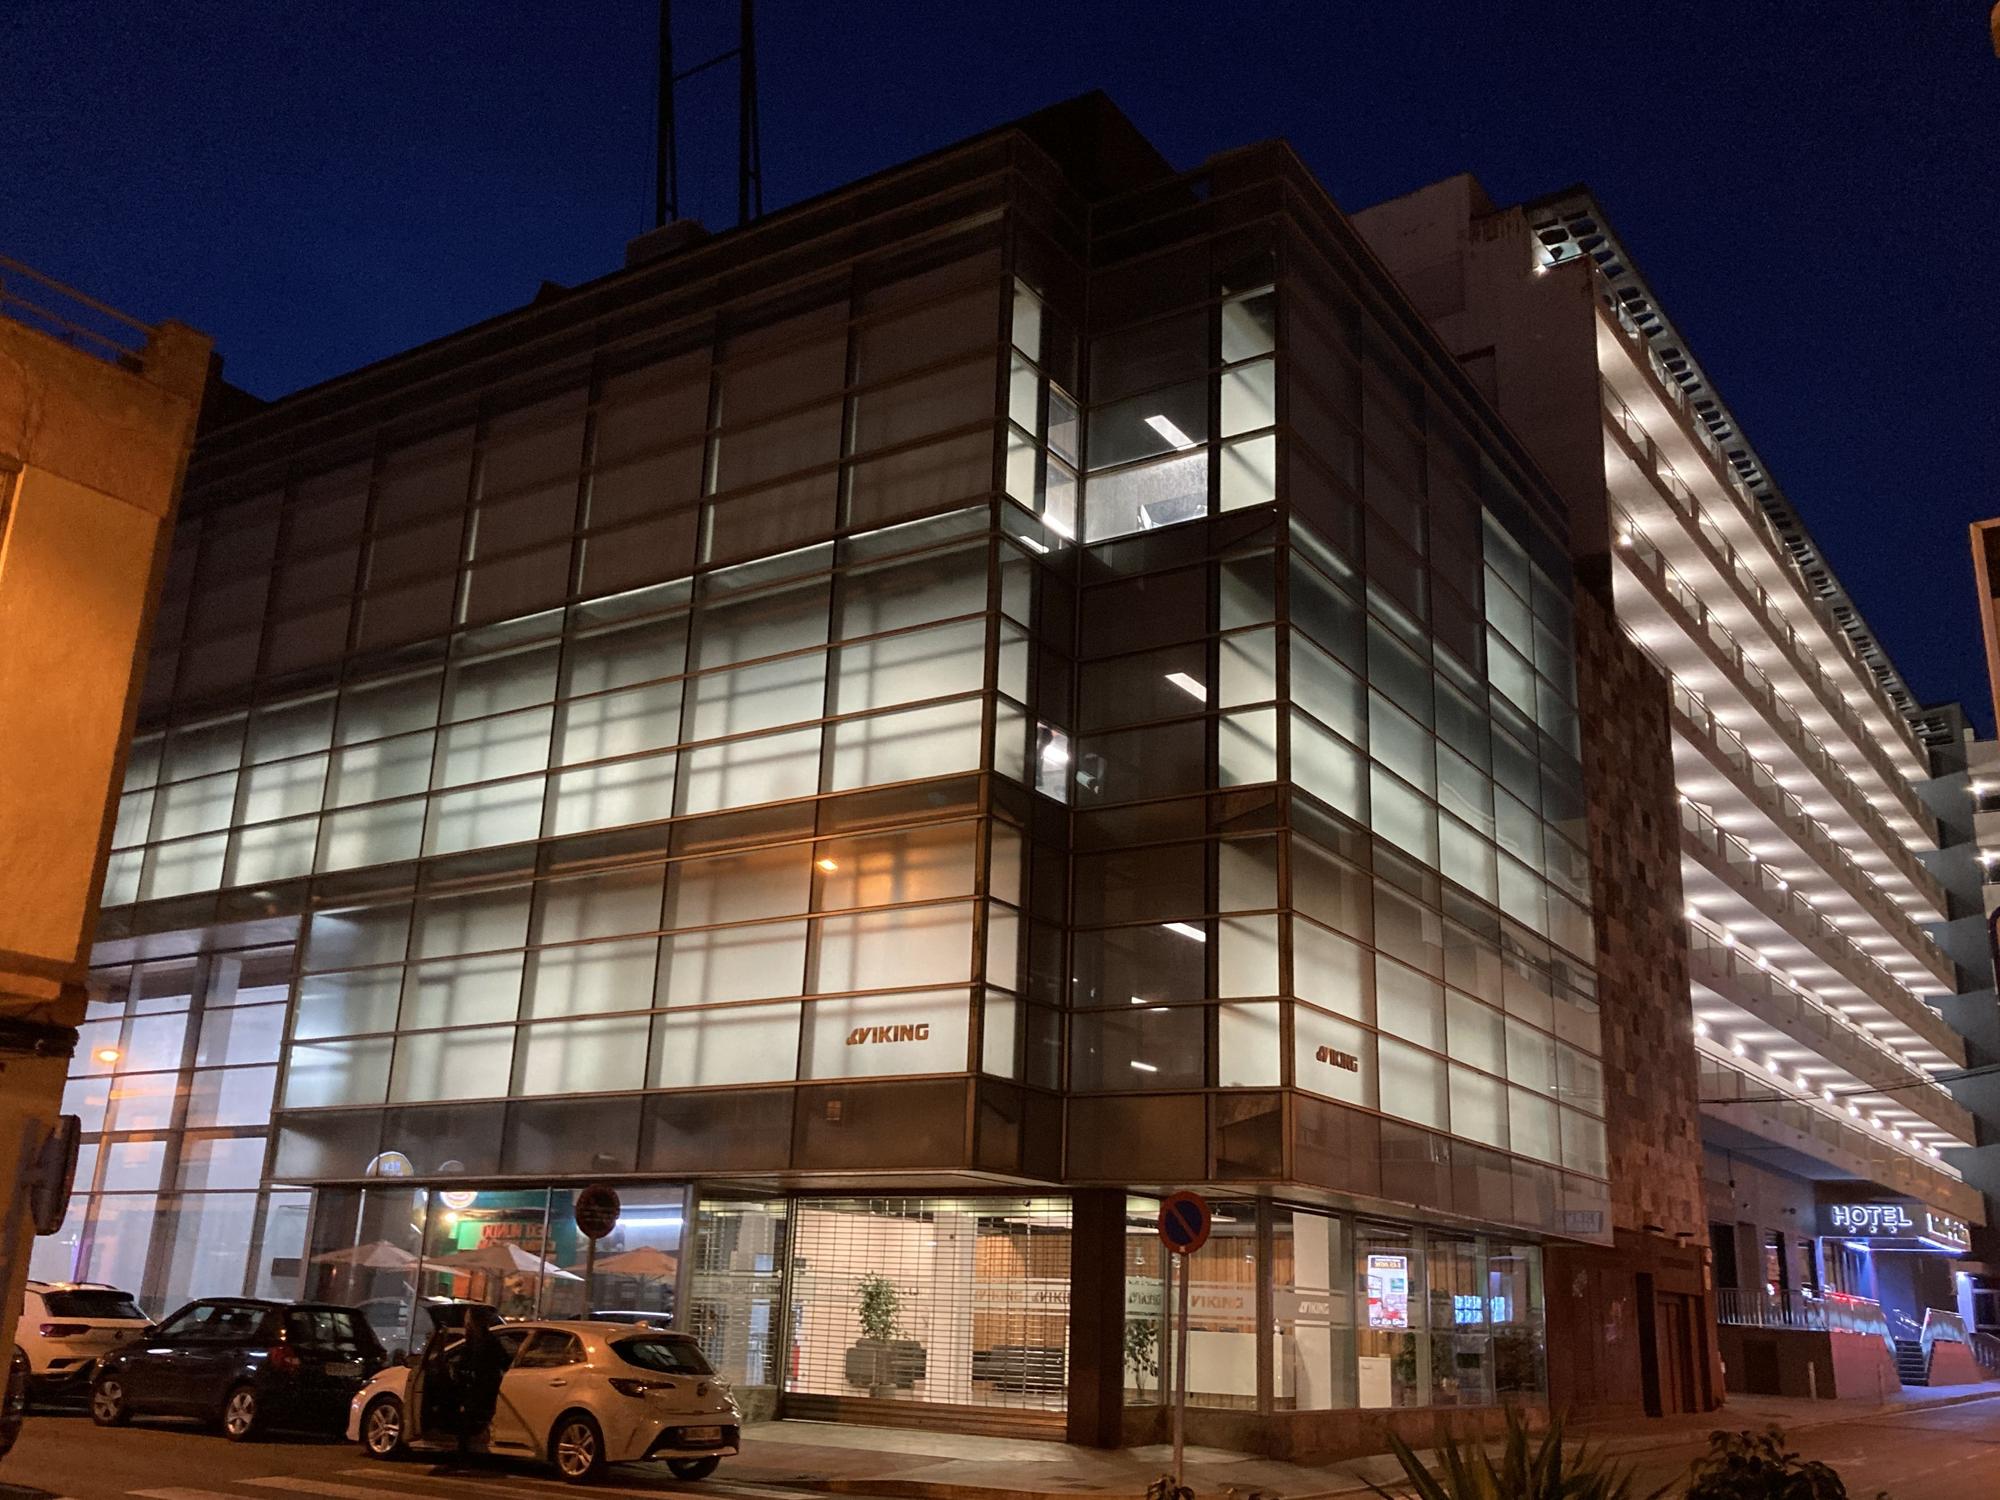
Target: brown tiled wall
(1652, 1116)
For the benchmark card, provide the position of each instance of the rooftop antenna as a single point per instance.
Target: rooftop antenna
(749, 150)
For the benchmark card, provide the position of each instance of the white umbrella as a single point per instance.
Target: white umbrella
(376, 1255)
(501, 1257)
(644, 1261)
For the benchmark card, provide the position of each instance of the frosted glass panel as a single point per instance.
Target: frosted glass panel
(738, 1044)
(581, 1057)
(745, 629)
(462, 991)
(188, 865)
(762, 962)
(472, 923)
(1329, 769)
(1247, 956)
(601, 905)
(887, 949)
(509, 745)
(283, 790)
(628, 655)
(870, 1036)
(622, 723)
(1474, 1032)
(191, 807)
(276, 851)
(507, 813)
(742, 773)
(918, 864)
(336, 1073)
(906, 668)
(1247, 747)
(790, 690)
(452, 1065)
(1247, 1046)
(610, 796)
(905, 746)
(1412, 1084)
(1533, 1123)
(1332, 971)
(359, 935)
(348, 1004)
(1478, 1107)
(738, 887)
(592, 978)
(1408, 1004)
(383, 768)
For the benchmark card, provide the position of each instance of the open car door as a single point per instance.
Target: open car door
(428, 1406)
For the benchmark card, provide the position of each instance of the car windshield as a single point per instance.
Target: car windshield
(91, 1304)
(670, 1356)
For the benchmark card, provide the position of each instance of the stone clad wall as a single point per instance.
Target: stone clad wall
(1652, 1115)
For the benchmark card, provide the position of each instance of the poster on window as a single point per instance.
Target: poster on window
(1388, 1291)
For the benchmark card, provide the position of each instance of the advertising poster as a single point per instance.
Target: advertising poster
(1388, 1291)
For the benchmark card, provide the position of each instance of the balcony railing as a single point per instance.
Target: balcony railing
(1652, 567)
(1747, 506)
(81, 321)
(1901, 1167)
(1809, 1018)
(1828, 1312)
(1774, 895)
(1701, 725)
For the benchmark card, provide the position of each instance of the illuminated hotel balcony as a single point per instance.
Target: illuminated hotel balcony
(1741, 979)
(1907, 757)
(1723, 755)
(1736, 1101)
(1717, 651)
(1736, 870)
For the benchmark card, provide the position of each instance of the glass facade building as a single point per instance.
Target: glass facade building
(894, 736)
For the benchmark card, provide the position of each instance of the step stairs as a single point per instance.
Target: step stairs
(1911, 1367)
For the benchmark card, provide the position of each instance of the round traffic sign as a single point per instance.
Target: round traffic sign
(1184, 1222)
(596, 1210)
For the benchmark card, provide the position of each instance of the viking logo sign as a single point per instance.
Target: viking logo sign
(863, 1036)
(1333, 1057)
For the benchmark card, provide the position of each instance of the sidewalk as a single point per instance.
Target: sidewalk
(912, 1464)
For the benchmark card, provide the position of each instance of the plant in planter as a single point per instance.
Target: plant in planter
(1528, 1468)
(1142, 1350)
(1758, 1466)
(879, 1310)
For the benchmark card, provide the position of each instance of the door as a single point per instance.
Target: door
(217, 1352)
(545, 1378)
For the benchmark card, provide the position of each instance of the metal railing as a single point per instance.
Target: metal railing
(1808, 831)
(1650, 564)
(1751, 511)
(1828, 1312)
(1773, 894)
(1715, 959)
(62, 312)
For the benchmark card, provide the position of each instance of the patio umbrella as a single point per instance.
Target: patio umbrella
(376, 1255)
(645, 1261)
(504, 1258)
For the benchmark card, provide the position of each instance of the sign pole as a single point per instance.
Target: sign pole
(589, 1272)
(1180, 1365)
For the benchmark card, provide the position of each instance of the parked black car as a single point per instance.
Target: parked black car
(243, 1363)
(13, 1401)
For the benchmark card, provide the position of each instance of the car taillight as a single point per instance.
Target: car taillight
(629, 1387)
(285, 1360)
(64, 1330)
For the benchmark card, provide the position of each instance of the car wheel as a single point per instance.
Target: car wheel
(576, 1448)
(242, 1419)
(382, 1428)
(108, 1404)
(693, 1468)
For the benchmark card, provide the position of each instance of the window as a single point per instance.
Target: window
(548, 1349)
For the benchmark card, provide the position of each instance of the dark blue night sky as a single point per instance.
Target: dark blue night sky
(1810, 189)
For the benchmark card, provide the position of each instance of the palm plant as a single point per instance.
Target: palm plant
(1528, 1468)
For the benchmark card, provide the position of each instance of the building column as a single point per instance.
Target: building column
(1097, 1318)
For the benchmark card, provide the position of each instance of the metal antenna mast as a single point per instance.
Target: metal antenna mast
(749, 148)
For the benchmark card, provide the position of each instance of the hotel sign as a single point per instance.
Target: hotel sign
(1919, 1227)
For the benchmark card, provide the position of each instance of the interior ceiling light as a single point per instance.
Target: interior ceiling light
(1186, 930)
(1189, 686)
(1164, 426)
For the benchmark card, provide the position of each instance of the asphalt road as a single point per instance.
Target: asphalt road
(67, 1457)
(1944, 1453)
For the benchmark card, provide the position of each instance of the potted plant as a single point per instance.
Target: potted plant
(878, 1310)
(1142, 1351)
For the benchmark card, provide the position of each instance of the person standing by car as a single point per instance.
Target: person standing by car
(480, 1363)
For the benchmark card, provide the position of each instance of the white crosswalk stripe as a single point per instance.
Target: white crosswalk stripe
(412, 1484)
(516, 1482)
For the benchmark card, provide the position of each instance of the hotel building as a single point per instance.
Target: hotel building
(1819, 929)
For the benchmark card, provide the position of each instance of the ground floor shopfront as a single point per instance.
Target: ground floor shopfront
(1045, 1314)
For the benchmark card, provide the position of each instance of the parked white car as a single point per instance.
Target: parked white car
(66, 1326)
(578, 1395)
